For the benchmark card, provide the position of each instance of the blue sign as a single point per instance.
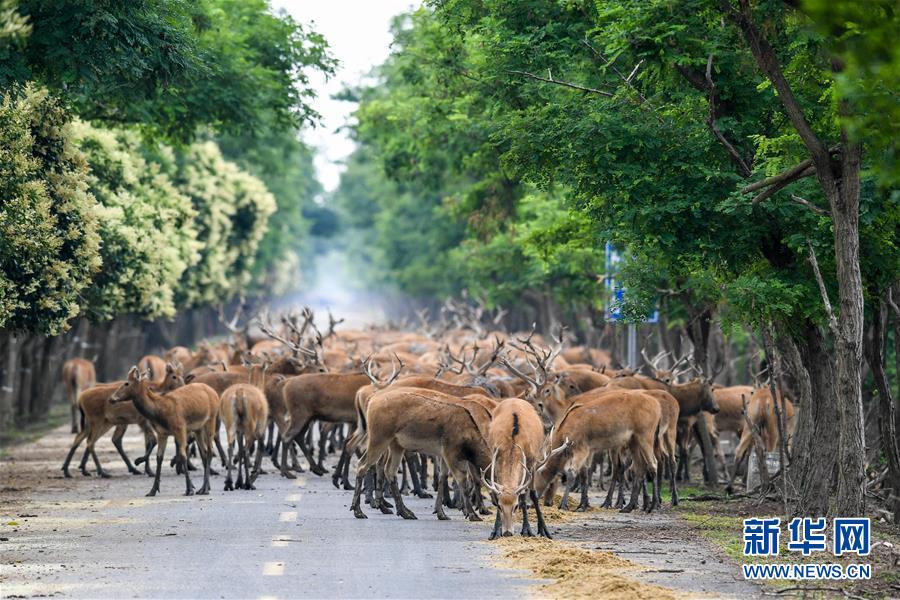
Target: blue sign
(616, 292)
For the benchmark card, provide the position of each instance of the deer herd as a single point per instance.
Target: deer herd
(516, 414)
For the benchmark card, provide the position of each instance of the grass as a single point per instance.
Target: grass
(20, 434)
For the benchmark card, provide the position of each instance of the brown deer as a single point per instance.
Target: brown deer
(245, 413)
(598, 421)
(156, 366)
(416, 420)
(760, 412)
(78, 375)
(98, 415)
(515, 437)
(328, 397)
(193, 408)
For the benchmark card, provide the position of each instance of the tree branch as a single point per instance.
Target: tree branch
(573, 86)
(768, 61)
(780, 185)
(796, 172)
(736, 158)
(810, 206)
(832, 321)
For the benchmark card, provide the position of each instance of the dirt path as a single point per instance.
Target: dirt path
(91, 537)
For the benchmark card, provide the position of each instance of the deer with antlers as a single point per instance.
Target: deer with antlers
(78, 375)
(515, 437)
(602, 420)
(193, 408)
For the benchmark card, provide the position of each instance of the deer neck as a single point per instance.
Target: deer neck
(688, 396)
(147, 402)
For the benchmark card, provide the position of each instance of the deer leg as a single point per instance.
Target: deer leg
(249, 477)
(370, 486)
(550, 492)
(414, 464)
(117, 442)
(239, 484)
(160, 456)
(221, 452)
(287, 441)
(435, 479)
(379, 502)
(314, 468)
(541, 524)
(77, 442)
(205, 447)
(439, 502)
(495, 533)
(181, 446)
(149, 445)
(571, 482)
(345, 474)
(526, 526)
(584, 504)
(100, 471)
(82, 466)
(74, 408)
(423, 471)
(323, 440)
(460, 476)
(273, 454)
(270, 428)
(229, 482)
(339, 469)
(672, 486)
(395, 456)
(404, 482)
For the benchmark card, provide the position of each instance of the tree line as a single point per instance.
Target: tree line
(741, 153)
(150, 168)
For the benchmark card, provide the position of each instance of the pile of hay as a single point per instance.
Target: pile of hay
(575, 571)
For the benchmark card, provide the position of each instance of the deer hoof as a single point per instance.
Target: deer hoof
(359, 514)
(407, 514)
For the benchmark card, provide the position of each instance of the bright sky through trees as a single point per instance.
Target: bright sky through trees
(359, 36)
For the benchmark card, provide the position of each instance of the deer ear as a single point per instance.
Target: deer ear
(170, 368)
(146, 374)
(134, 373)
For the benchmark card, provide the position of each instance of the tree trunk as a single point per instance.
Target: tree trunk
(844, 200)
(887, 413)
(815, 441)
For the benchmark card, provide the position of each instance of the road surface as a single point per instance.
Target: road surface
(101, 538)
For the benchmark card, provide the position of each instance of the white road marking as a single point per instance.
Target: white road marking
(273, 568)
(293, 497)
(288, 516)
(299, 482)
(267, 598)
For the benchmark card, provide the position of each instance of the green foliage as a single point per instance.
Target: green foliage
(172, 65)
(549, 128)
(146, 223)
(13, 26)
(285, 164)
(49, 239)
(232, 209)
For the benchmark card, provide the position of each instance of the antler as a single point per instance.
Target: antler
(378, 383)
(332, 323)
(266, 328)
(232, 324)
(495, 355)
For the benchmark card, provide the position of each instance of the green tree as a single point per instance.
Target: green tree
(49, 238)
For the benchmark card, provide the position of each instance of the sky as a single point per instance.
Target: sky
(358, 33)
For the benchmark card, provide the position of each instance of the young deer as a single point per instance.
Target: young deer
(245, 413)
(98, 415)
(78, 375)
(193, 408)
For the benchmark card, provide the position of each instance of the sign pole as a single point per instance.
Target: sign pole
(632, 346)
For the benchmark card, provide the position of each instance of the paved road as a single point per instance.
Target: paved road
(103, 539)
